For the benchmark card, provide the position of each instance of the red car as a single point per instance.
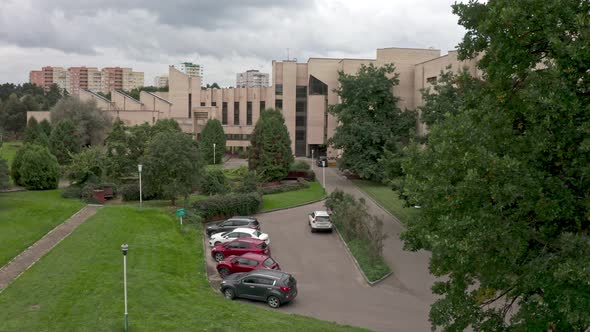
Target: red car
(246, 263)
(239, 247)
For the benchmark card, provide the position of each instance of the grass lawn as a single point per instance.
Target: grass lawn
(374, 270)
(388, 199)
(290, 198)
(28, 215)
(78, 285)
(8, 150)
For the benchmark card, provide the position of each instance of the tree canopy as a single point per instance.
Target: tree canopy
(211, 134)
(369, 120)
(64, 141)
(92, 124)
(270, 152)
(35, 168)
(504, 183)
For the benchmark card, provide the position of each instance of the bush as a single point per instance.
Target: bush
(214, 183)
(130, 192)
(299, 165)
(35, 168)
(249, 183)
(284, 188)
(72, 192)
(223, 206)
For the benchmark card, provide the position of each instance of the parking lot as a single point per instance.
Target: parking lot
(329, 284)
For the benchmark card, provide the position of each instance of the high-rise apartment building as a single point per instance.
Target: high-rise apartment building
(191, 69)
(75, 79)
(161, 81)
(252, 79)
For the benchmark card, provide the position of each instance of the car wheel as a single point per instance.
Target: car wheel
(313, 230)
(223, 272)
(229, 293)
(273, 302)
(219, 256)
(216, 243)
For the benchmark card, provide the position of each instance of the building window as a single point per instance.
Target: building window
(202, 104)
(236, 113)
(249, 113)
(237, 137)
(431, 80)
(190, 105)
(262, 106)
(317, 87)
(278, 89)
(213, 104)
(224, 113)
(301, 91)
(279, 104)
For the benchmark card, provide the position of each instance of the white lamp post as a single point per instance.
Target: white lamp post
(324, 164)
(312, 163)
(213, 153)
(124, 248)
(139, 167)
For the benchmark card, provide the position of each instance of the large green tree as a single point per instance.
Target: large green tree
(35, 168)
(87, 166)
(118, 162)
(92, 124)
(369, 120)
(64, 141)
(13, 114)
(211, 134)
(504, 184)
(172, 165)
(270, 152)
(34, 133)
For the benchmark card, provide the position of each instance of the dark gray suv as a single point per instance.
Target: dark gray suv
(231, 224)
(273, 287)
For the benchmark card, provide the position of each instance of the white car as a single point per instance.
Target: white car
(236, 234)
(319, 220)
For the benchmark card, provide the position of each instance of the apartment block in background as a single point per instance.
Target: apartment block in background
(161, 81)
(83, 78)
(47, 76)
(117, 78)
(191, 69)
(252, 79)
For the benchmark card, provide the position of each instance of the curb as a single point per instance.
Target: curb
(294, 206)
(358, 266)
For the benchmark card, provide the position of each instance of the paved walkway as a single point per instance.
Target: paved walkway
(31, 255)
(410, 269)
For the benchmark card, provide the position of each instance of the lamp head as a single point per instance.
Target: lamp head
(139, 167)
(124, 248)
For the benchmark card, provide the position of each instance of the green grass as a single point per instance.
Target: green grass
(290, 198)
(388, 199)
(78, 285)
(373, 269)
(8, 150)
(26, 216)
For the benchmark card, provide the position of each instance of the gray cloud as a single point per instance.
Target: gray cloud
(220, 33)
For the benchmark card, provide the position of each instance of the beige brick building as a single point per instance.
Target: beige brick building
(303, 91)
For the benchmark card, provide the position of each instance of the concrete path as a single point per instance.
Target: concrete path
(31, 255)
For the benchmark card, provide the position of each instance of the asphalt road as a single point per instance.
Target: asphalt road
(329, 285)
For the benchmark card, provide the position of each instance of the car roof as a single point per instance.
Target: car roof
(268, 273)
(248, 239)
(242, 218)
(245, 230)
(258, 257)
(321, 213)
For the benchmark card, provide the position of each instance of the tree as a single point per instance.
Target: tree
(45, 127)
(118, 162)
(64, 141)
(370, 122)
(35, 134)
(270, 152)
(504, 183)
(92, 124)
(211, 134)
(137, 141)
(35, 168)
(14, 113)
(4, 174)
(213, 183)
(87, 166)
(52, 96)
(172, 165)
(165, 125)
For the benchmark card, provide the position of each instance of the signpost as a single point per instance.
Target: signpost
(181, 213)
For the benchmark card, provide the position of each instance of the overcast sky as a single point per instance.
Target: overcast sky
(225, 36)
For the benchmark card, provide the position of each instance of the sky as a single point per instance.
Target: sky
(225, 36)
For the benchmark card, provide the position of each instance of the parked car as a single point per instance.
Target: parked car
(246, 263)
(319, 221)
(322, 161)
(238, 233)
(231, 224)
(271, 286)
(239, 247)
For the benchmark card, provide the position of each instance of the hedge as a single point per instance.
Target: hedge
(284, 188)
(223, 206)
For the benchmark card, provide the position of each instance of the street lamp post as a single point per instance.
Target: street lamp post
(124, 248)
(312, 166)
(213, 153)
(139, 167)
(324, 173)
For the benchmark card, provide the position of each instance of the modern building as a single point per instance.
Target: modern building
(302, 91)
(191, 69)
(76, 79)
(252, 79)
(161, 81)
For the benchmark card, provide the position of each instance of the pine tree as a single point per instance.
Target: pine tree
(211, 134)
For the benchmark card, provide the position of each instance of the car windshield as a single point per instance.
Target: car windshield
(257, 233)
(269, 262)
(322, 218)
(223, 234)
(290, 282)
(262, 245)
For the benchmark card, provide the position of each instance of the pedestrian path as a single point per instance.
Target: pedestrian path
(31, 255)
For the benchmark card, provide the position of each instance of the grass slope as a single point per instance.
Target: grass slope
(388, 199)
(26, 216)
(78, 285)
(8, 150)
(290, 198)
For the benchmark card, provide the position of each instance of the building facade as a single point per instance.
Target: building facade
(302, 91)
(191, 69)
(161, 81)
(252, 79)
